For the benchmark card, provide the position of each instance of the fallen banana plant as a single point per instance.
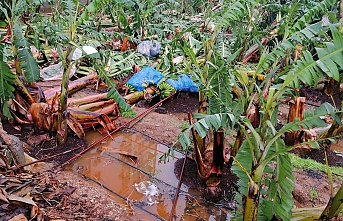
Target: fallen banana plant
(146, 94)
(85, 100)
(72, 87)
(90, 119)
(81, 114)
(164, 90)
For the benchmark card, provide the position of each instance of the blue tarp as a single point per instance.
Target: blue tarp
(183, 83)
(145, 77)
(149, 75)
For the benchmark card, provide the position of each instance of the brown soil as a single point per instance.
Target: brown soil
(71, 198)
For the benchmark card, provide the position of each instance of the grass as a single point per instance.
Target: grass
(310, 164)
(313, 194)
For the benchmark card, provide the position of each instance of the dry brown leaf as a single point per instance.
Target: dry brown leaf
(20, 217)
(75, 126)
(13, 197)
(41, 116)
(34, 211)
(67, 191)
(35, 140)
(35, 168)
(3, 195)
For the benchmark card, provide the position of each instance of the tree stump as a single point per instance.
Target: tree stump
(296, 111)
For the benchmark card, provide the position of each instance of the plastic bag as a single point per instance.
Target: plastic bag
(145, 77)
(149, 48)
(149, 189)
(183, 83)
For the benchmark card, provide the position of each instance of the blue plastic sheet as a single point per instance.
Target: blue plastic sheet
(145, 77)
(183, 83)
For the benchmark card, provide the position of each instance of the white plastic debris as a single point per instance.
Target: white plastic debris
(89, 50)
(77, 54)
(149, 48)
(148, 189)
(52, 72)
(55, 72)
(178, 59)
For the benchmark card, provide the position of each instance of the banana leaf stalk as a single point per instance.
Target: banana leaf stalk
(306, 214)
(87, 99)
(90, 119)
(22, 91)
(75, 126)
(139, 95)
(238, 142)
(73, 86)
(95, 105)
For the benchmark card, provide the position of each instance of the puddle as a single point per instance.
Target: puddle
(118, 174)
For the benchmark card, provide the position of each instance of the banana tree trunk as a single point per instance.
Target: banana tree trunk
(217, 161)
(296, 110)
(218, 153)
(197, 153)
(62, 126)
(334, 206)
(251, 201)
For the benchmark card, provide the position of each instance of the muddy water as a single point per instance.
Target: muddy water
(110, 166)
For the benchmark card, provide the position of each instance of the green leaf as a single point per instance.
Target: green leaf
(319, 9)
(201, 130)
(285, 183)
(308, 70)
(6, 87)
(184, 140)
(27, 61)
(29, 65)
(6, 82)
(244, 157)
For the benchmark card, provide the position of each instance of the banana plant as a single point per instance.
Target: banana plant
(262, 163)
(25, 64)
(7, 79)
(263, 144)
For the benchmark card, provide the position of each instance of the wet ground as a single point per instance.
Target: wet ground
(131, 156)
(130, 159)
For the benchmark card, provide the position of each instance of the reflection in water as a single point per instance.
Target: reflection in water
(120, 173)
